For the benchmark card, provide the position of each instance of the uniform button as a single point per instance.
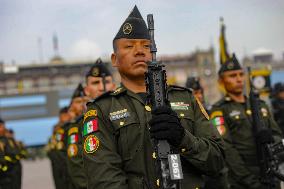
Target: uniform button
(181, 114)
(248, 112)
(148, 108)
(158, 182)
(154, 155)
(121, 123)
(183, 150)
(237, 117)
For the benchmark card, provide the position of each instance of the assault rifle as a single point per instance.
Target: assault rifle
(266, 151)
(169, 165)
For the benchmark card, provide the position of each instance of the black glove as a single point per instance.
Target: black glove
(165, 125)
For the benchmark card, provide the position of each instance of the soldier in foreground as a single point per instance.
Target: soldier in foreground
(118, 152)
(98, 80)
(232, 116)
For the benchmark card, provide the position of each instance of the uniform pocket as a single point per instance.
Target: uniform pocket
(186, 120)
(129, 133)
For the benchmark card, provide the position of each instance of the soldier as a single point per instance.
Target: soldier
(17, 168)
(6, 165)
(197, 90)
(98, 80)
(218, 181)
(118, 152)
(232, 117)
(52, 150)
(70, 136)
(278, 104)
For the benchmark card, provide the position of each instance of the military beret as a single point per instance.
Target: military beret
(79, 92)
(193, 83)
(2, 121)
(230, 65)
(134, 27)
(99, 69)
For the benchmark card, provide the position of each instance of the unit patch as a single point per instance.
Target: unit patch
(89, 114)
(235, 113)
(202, 109)
(73, 138)
(72, 150)
(91, 144)
(221, 129)
(179, 106)
(217, 121)
(119, 114)
(90, 126)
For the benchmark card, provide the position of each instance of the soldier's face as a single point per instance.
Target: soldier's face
(2, 129)
(95, 86)
(131, 57)
(64, 117)
(233, 81)
(77, 105)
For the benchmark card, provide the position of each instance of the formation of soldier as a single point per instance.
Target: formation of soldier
(11, 154)
(109, 142)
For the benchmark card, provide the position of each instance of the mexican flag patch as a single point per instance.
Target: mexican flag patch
(218, 121)
(91, 144)
(90, 126)
(72, 139)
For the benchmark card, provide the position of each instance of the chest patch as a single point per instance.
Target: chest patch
(119, 114)
(179, 106)
(234, 113)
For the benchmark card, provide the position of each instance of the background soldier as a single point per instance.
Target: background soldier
(232, 117)
(98, 80)
(278, 104)
(52, 150)
(6, 164)
(118, 152)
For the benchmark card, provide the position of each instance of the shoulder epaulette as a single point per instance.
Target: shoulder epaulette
(178, 88)
(106, 94)
(220, 102)
(118, 91)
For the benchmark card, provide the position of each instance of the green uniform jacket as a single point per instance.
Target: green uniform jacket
(74, 153)
(233, 121)
(118, 153)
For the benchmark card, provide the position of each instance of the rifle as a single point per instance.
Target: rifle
(169, 164)
(266, 150)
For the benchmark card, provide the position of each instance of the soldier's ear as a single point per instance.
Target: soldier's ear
(221, 85)
(114, 60)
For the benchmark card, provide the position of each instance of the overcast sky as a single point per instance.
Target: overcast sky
(85, 28)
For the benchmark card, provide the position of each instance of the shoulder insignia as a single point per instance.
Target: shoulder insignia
(90, 126)
(90, 113)
(72, 130)
(72, 150)
(118, 91)
(202, 109)
(216, 114)
(91, 144)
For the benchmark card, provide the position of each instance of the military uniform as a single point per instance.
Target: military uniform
(118, 152)
(6, 164)
(233, 121)
(74, 153)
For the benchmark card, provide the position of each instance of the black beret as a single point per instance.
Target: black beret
(79, 92)
(231, 64)
(99, 69)
(134, 27)
(2, 121)
(193, 83)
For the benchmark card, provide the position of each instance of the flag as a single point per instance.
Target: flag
(90, 127)
(218, 121)
(224, 55)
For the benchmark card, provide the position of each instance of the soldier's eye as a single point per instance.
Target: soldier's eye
(147, 46)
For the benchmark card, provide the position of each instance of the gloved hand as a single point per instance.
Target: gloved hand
(165, 125)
